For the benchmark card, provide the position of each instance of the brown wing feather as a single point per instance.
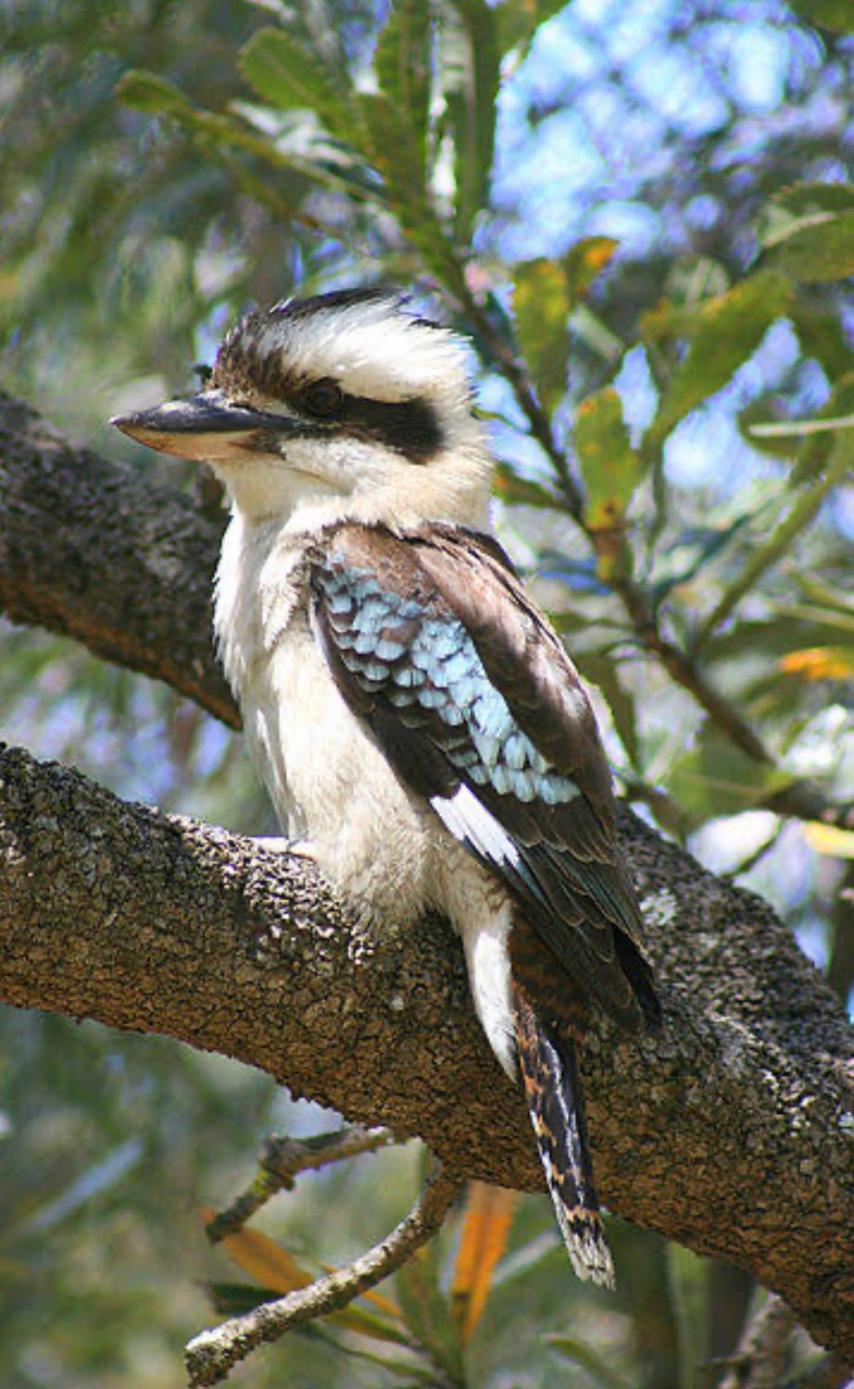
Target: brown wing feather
(376, 595)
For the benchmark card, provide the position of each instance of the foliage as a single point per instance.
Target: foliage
(673, 417)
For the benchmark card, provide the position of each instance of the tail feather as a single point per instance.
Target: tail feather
(553, 1091)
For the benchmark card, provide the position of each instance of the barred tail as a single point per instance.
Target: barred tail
(553, 1091)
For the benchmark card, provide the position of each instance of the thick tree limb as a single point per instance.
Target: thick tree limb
(731, 1132)
(91, 550)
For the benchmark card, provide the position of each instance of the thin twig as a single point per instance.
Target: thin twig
(211, 1354)
(281, 1162)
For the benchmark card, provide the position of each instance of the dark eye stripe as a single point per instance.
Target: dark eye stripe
(411, 427)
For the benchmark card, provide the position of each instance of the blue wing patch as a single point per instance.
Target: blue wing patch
(424, 661)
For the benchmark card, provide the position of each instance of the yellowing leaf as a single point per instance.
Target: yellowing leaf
(541, 307)
(277, 1271)
(818, 663)
(486, 1225)
(264, 1260)
(610, 466)
(829, 840)
(584, 261)
(545, 293)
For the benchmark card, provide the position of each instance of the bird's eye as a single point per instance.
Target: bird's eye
(323, 398)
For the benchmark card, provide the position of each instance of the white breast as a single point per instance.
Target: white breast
(328, 781)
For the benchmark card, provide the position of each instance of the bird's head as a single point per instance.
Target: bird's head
(339, 405)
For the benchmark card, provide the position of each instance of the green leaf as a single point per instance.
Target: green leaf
(580, 1353)
(541, 307)
(584, 261)
(426, 1312)
(390, 144)
(723, 331)
(218, 134)
(520, 491)
(715, 778)
(822, 336)
(289, 76)
(766, 643)
(688, 1276)
(602, 671)
(146, 92)
(545, 293)
(611, 468)
(472, 105)
(693, 549)
(835, 15)
(818, 248)
(403, 70)
(806, 199)
(809, 231)
(519, 20)
(778, 542)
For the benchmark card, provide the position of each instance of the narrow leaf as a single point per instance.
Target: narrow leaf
(584, 261)
(403, 70)
(541, 307)
(604, 672)
(520, 491)
(270, 1264)
(486, 1225)
(580, 1353)
(389, 144)
(770, 551)
(822, 335)
(265, 1261)
(472, 108)
(426, 1311)
(144, 91)
(545, 293)
(288, 76)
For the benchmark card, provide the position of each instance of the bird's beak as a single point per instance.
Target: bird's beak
(205, 427)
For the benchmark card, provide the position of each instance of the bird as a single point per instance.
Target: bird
(422, 731)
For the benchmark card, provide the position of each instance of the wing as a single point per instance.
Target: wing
(433, 642)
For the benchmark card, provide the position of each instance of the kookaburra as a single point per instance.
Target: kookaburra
(417, 722)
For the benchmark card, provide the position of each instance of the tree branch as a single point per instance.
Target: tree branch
(211, 1354)
(92, 551)
(728, 1132)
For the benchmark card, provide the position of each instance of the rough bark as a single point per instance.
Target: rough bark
(731, 1132)
(91, 550)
